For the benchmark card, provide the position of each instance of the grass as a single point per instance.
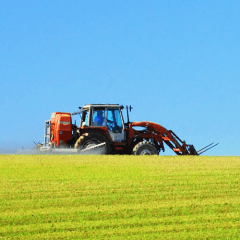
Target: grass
(119, 197)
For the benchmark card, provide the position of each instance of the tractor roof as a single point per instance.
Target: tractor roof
(103, 105)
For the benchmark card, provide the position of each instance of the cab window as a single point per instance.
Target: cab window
(85, 118)
(114, 121)
(98, 117)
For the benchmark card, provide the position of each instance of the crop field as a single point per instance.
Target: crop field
(119, 197)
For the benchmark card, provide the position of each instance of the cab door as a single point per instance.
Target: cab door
(115, 124)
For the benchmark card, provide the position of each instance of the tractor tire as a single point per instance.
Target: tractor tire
(91, 139)
(145, 148)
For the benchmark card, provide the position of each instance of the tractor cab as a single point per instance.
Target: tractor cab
(106, 116)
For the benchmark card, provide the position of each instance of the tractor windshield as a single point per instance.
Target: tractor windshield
(114, 121)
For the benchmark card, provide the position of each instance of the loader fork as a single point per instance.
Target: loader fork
(177, 145)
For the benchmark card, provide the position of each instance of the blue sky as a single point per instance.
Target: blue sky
(176, 62)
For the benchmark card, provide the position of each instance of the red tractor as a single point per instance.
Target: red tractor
(102, 126)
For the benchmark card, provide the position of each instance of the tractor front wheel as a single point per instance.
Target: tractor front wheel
(145, 148)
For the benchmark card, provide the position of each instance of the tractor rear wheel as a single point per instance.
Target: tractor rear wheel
(145, 148)
(92, 139)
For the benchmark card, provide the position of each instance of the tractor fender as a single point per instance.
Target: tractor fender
(154, 131)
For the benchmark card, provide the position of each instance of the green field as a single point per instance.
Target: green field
(119, 197)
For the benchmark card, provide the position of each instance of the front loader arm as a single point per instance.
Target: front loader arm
(161, 134)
